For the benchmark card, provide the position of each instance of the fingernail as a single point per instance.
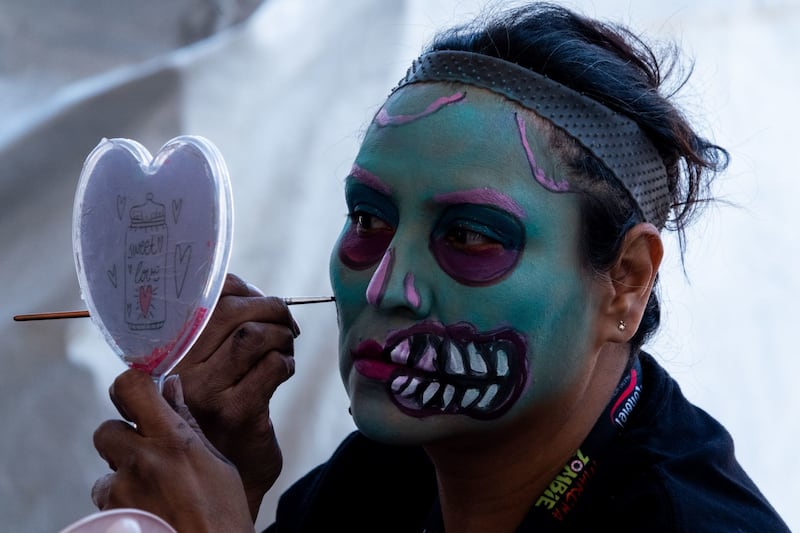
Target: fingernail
(255, 289)
(173, 391)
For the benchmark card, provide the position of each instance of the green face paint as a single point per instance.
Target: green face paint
(461, 297)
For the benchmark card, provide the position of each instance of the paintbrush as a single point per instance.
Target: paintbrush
(83, 314)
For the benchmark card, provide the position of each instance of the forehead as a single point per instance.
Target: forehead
(434, 132)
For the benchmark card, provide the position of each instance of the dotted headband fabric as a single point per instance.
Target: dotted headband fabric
(613, 138)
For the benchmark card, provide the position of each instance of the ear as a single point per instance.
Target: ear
(631, 279)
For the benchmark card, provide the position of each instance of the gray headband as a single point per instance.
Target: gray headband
(614, 139)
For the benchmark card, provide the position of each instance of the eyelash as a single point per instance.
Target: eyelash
(374, 222)
(463, 237)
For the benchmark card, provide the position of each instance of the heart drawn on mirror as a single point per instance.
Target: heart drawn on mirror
(152, 239)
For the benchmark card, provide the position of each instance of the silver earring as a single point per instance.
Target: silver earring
(622, 325)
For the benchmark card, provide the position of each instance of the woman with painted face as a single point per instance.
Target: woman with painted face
(494, 285)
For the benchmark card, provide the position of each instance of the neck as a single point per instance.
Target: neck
(488, 482)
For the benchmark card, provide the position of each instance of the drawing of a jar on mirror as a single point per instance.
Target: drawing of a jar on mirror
(146, 265)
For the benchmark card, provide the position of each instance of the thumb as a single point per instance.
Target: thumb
(173, 394)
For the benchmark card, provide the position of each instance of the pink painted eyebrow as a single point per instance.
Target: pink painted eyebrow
(536, 170)
(368, 178)
(482, 196)
(383, 118)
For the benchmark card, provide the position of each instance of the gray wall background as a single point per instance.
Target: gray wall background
(284, 88)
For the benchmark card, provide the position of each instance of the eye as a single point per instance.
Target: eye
(476, 244)
(468, 240)
(367, 223)
(370, 228)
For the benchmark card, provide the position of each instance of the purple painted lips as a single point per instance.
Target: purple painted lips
(455, 370)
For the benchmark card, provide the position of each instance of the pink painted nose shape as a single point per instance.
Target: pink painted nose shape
(376, 290)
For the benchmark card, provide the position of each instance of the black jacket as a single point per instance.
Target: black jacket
(671, 469)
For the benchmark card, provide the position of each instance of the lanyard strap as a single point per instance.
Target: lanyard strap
(566, 489)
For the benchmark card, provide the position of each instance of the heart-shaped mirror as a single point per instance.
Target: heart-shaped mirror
(152, 239)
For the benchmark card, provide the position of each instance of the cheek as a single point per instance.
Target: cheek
(349, 285)
(560, 336)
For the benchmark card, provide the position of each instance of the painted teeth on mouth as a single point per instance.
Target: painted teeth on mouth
(418, 393)
(502, 363)
(476, 362)
(454, 364)
(425, 362)
(400, 353)
(433, 355)
(413, 383)
(445, 375)
(429, 392)
(398, 382)
(470, 395)
(447, 395)
(488, 396)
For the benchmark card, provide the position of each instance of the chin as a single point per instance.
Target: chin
(377, 417)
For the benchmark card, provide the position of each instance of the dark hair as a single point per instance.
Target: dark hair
(610, 64)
